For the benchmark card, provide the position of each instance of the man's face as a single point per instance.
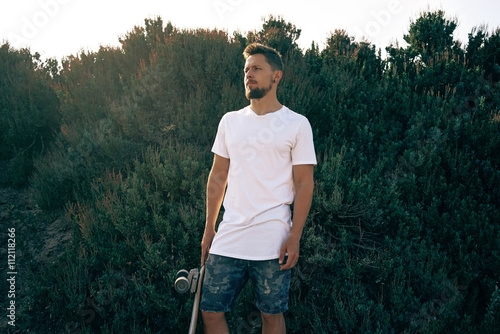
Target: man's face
(258, 77)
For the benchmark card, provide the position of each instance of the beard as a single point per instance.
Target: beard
(257, 93)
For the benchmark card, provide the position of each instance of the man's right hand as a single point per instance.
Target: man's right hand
(206, 242)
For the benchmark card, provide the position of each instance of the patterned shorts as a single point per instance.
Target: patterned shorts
(225, 277)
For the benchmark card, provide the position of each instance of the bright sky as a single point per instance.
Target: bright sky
(58, 28)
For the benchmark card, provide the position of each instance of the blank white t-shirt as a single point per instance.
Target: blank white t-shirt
(262, 151)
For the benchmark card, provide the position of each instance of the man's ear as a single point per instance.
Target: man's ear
(277, 75)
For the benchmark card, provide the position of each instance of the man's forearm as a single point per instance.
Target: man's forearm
(301, 207)
(216, 186)
(215, 193)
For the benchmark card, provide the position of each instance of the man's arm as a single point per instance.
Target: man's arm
(216, 186)
(303, 179)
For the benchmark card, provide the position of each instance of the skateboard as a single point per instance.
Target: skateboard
(191, 281)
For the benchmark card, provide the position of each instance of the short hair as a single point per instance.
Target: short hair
(272, 56)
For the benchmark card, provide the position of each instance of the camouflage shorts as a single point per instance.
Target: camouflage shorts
(225, 277)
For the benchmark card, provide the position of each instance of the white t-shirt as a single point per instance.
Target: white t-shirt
(262, 151)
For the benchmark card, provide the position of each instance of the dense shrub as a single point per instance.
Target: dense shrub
(29, 110)
(403, 235)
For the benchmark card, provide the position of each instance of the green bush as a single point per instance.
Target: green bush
(403, 234)
(29, 111)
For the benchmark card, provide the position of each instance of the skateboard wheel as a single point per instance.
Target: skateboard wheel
(182, 273)
(182, 284)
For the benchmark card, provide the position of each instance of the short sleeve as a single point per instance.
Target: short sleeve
(219, 147)
(303, 151)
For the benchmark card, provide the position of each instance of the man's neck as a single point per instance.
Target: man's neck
(265, 105)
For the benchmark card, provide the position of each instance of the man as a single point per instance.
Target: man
(264, 153)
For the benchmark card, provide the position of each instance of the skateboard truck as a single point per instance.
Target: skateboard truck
(191, 281)
(187, 280)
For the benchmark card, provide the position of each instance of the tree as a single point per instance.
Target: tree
(433, 60)
(278, 34)
(29, 109)
(431, 34)
(339, 44)
(342, 49)
(483, 51)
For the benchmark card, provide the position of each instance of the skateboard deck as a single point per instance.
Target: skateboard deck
(196, 304)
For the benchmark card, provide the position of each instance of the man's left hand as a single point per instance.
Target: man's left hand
(292, 247)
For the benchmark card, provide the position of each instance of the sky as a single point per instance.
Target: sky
(59, 28)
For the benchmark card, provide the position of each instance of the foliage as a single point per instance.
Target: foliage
(29, 110)
(403, 235)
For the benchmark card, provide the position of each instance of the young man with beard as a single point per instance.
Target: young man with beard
(264, 153)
